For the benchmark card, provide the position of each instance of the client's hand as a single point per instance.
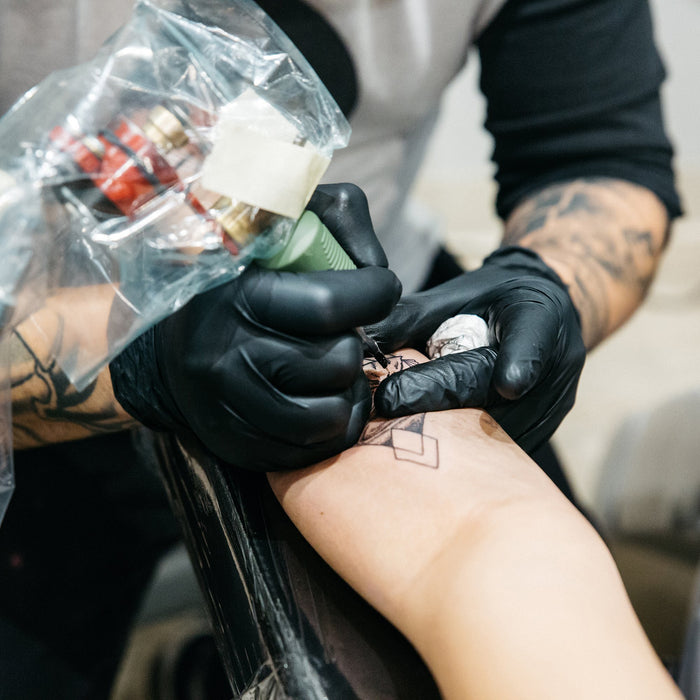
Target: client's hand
(266, 370)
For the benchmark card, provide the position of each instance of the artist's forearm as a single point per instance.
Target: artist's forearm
(603, 237)
(61, 413)
(46, 407)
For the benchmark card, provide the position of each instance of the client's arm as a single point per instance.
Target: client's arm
(445, 526)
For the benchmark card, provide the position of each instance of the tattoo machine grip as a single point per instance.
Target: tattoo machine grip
(311, 247)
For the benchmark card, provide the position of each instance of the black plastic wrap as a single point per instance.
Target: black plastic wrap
(287, 626)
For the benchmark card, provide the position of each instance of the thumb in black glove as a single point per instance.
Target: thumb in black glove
(526, 379)
(266, 369)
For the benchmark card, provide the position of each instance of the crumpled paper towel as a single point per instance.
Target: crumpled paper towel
(458, 334)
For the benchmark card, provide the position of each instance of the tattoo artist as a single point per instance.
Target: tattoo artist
(586, 191)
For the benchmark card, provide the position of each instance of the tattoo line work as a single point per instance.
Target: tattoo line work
(404, 435)
(52, 398)
(580, 223)
(375, 373)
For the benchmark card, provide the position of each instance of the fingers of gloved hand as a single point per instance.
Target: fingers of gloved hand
(251, 396)
(251, 444)
(416, 316)
(531, 421)
(202, 329)
(317, 303)
(402, 328)
(462, 380)
(527, 328)
(305, 368)
(344, 210)
(285, 456)
(413, 320)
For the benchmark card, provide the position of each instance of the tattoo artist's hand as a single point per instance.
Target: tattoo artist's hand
(266, 370)
(526, 379)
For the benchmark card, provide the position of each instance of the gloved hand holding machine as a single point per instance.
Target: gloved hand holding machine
(186, 149)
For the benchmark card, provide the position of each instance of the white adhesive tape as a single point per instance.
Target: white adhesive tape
(254, 160)
(458, 334)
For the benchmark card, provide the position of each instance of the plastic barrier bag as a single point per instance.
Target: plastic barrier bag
(185, 149)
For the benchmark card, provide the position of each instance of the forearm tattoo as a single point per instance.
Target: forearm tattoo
(607, 238)
(46, 407)
(405, 436)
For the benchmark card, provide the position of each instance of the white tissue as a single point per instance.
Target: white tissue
(458, 334)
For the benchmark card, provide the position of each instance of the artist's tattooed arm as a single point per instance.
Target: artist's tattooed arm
(46, 407)
(603, 237)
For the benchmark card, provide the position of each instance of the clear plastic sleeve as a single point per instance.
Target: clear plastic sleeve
(185, 149)
(109, 170)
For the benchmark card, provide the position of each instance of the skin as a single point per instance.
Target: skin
(46, 407)
(603, 237)
(450, 531)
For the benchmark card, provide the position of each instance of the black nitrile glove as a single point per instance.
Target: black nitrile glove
(527, 380)
(266, 370)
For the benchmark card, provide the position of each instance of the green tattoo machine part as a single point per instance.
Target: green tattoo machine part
(311, 247)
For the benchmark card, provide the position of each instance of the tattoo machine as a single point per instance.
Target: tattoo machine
(129, 166)
(186, 150)
(310, 247)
